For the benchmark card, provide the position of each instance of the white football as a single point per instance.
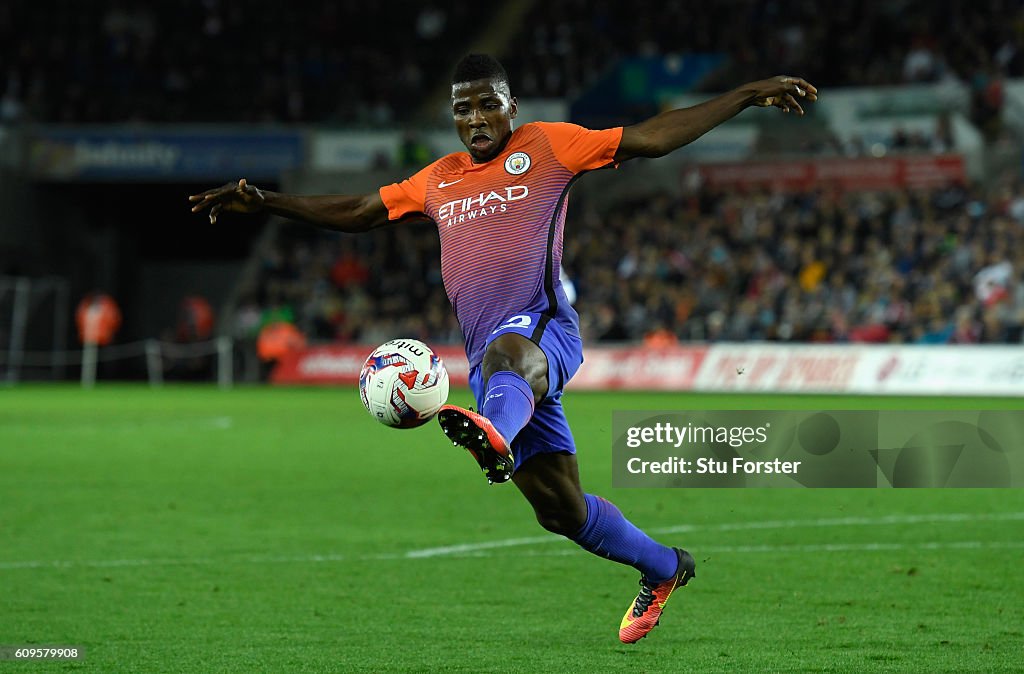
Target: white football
(403, 383)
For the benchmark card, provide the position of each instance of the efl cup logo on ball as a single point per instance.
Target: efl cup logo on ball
(403, 383)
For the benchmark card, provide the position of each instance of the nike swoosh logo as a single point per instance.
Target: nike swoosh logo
(441, 185)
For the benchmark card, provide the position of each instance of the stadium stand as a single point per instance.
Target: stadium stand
(938, 267)
(897, 267)
(352, 289)
(112, 61)
(903, 266)
(567, 45)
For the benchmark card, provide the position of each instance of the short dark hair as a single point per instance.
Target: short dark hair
(478, 67)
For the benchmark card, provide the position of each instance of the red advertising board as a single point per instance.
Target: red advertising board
(336, 364)
(635, 368)
(754, 367)
(773, 367)
(865, 173)
(639, 369)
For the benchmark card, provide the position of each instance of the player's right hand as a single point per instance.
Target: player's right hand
(240, 197)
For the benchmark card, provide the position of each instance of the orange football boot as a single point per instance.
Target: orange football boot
(478, 435)
(644, 613)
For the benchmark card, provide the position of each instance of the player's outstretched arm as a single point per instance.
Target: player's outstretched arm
(671, 130)
(342, 213)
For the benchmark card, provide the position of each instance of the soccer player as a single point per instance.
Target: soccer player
(500, 211)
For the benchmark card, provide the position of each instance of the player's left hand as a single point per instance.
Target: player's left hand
(783, 92)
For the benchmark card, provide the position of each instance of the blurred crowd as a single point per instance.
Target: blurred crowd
(354, 62)
(936, 140)
(566, 45)
(364, 289)
(876, 43)
(938, 267)
(210, 60)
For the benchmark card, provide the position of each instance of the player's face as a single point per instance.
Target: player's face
(483, 111)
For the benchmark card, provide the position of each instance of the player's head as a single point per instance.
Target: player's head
(482, 105)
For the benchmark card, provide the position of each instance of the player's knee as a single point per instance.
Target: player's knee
(563, 523)
(513, 355)
(497, 360)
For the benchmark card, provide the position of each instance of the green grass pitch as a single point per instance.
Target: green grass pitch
(195, 530)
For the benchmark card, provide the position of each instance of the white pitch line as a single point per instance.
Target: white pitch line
(192, 561)
(463, 548)
(481, 549)
(221, 423)
(809, 547)
(486, 545)
(474, 554)
(844, 522)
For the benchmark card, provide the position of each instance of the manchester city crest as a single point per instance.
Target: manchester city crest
(517, 163)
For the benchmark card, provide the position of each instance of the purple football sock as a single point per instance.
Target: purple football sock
(508, 403)
(608, 534)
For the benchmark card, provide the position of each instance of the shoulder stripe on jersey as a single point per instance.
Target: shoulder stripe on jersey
(549, 262)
